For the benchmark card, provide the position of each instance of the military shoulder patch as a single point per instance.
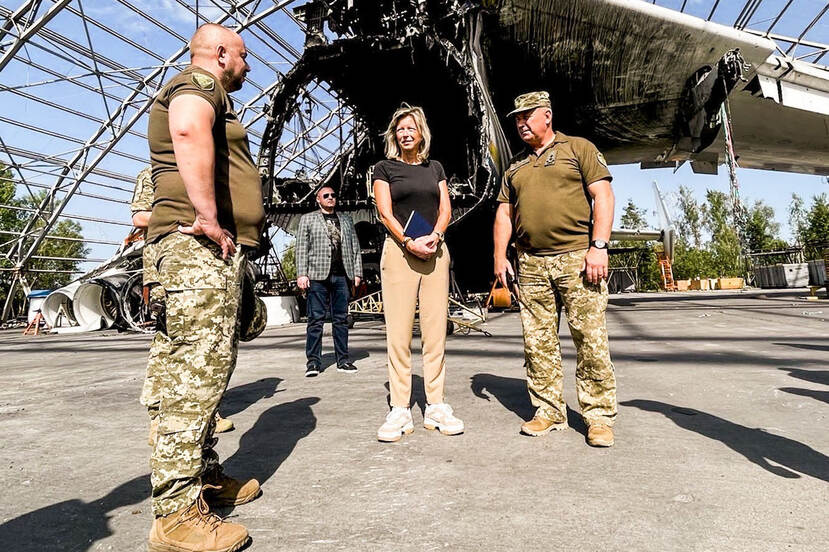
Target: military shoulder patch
(601, 158)
(203, 81)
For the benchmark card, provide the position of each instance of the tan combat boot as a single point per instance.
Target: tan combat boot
(599, 435)
(223, 424)
(195, 529)
(223, 490)
(539, 426)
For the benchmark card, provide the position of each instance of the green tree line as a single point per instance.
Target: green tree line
(710, 243)
(14, 221)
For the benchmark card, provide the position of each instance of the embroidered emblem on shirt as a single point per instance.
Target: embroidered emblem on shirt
(601, 159)
(551, 159)
(203, 81)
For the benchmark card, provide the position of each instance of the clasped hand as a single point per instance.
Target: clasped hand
(424, 247)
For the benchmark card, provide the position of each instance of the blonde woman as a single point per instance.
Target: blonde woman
(413, 270)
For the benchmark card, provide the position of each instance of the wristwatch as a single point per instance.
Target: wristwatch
(406, 240)
(440, 235)
(599, 244)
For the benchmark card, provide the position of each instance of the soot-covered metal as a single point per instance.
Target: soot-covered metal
(640, 85)
(424, 54)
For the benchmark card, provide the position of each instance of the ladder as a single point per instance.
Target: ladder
(34, 326)
(667, 272)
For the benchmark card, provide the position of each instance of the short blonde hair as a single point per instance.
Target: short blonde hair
(416, 113)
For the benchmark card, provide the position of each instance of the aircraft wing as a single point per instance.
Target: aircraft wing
(642, 82)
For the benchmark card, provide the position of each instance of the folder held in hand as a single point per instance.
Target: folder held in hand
(417, 226)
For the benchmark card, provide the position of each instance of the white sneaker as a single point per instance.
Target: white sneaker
(398, 423)
(440, 416)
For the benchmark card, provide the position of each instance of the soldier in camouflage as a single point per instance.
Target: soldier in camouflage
(556, 197)
(254, 312)
(141, 207)
(207, 215)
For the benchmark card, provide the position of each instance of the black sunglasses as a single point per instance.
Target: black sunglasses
(326, 196)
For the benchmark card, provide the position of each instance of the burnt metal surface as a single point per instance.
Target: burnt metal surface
(616, 71)
(642, 82)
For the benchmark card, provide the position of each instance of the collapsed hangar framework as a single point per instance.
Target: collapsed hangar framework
(79, 77)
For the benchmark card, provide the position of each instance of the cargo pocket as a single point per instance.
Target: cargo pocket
(196, 282)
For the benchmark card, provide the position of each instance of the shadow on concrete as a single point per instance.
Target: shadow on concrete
(71, 525)
(239, 398)
(822, 396)
(807, 346)
(418, 397)
(266, 445)
(330, 359)
(714, 298)
(814, 376)
(74, 349)
(758, 446)
(512, 394)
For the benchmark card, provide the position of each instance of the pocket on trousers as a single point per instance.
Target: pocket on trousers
(192, 266)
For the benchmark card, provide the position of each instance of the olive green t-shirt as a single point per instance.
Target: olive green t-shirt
(238, 189)
(553, 211)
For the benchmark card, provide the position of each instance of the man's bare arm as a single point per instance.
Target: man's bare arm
(191, 120)
(595, 262)
(141, 219)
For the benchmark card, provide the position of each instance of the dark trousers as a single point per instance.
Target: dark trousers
(324, 296)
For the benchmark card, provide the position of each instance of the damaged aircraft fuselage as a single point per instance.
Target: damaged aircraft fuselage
(644, 83)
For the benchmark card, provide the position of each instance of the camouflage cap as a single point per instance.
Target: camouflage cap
(530, 100)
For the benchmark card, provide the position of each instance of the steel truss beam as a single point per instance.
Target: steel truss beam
(30, 30)
(17, 252)
(103, 155)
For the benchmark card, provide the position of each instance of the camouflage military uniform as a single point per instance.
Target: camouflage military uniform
(543, 282)
(253, 319)
(553, 222)
(142, 196)
(254, 313)
(142, 200)
(203, 292)
(202, 321)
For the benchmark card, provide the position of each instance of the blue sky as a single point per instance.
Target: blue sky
(630, 182)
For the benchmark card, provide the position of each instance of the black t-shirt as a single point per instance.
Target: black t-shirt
(412, 187)
(332, 225)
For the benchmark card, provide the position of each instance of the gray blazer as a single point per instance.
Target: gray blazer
(313, 248)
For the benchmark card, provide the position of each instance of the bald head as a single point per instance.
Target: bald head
(207, 38)
(222, 52)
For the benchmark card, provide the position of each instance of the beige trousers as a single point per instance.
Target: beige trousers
(405, 280)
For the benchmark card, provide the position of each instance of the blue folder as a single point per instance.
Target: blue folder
(417, 226)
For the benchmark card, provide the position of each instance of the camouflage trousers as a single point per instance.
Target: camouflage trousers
(254, 317)
(150, 393)
(545, 282)
(193, 362)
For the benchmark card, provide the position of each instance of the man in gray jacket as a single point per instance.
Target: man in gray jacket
(327, 261)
